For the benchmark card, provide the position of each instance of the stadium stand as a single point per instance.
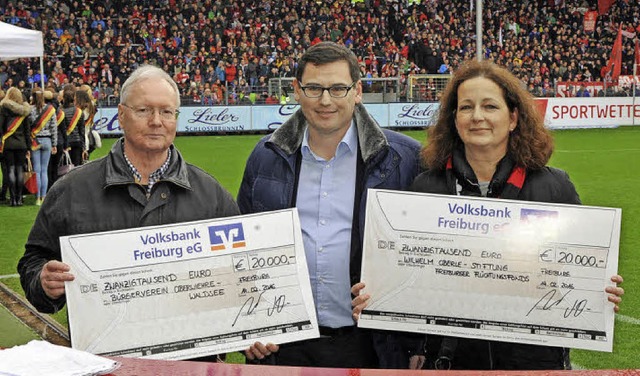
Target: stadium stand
(231, 50)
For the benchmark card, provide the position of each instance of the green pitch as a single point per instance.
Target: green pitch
(14, 332)
(604, 164)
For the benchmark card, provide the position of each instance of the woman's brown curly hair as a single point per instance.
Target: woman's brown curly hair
(530, 143)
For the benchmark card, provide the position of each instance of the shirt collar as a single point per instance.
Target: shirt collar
(348, 144)
(154, 177)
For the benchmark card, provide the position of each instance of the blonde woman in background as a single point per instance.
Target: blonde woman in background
(15, 129)
(44, 138)
(89, 110)
(83, 102)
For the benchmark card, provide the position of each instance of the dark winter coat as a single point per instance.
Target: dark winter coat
(547, 184)
(103, 196)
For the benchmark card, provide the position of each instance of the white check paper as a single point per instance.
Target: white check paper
(502, 270)
(190, 289)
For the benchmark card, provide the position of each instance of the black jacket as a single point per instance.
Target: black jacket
(21, 138)
(103, 196)
(388, 160)
(544, 185)
(76, 138)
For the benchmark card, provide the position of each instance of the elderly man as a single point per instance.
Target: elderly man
(143, 181)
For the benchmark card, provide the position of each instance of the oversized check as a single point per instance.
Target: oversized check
(504, 270)
(190, 289)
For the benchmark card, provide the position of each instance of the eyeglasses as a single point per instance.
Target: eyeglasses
(336, 91)
(148, 112)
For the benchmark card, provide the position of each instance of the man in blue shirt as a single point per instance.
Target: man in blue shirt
(322, 161)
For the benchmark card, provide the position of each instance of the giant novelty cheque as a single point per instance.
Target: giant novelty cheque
(190, 289)
(502, 270)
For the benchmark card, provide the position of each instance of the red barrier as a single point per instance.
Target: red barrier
(143, 367)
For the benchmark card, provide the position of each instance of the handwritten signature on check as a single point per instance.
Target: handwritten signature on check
(250, 306)
(548, 301)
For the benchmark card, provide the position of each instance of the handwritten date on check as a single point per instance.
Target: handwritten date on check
(490, 269)
(190, 289)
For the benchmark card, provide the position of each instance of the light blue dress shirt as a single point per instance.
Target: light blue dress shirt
(325, 199)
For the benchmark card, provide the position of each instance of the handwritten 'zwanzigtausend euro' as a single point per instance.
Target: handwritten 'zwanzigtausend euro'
(190, 289)
(502, 270)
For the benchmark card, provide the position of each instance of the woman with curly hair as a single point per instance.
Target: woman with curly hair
(489, 140)
(86, 102)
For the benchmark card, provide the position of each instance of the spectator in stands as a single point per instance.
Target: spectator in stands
(182, 78)
(252, 71)
(106, 92)
(583, 92)
(331, 141)
(209, 98)
(231, 71)
(15, 135)
(218, 89)
(31, 80)
(193, 94)
(143, 181)
(391, 30)
(107, 74)
(3, 75)
(221, 71)
(507, 161)
(197, 77)
(271, 99)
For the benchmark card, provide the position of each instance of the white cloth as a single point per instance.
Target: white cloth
(44, 358)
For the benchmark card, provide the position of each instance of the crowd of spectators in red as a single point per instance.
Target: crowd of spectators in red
(221, 51)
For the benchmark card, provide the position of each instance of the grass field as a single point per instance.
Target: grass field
(604, 164)
(14, 331)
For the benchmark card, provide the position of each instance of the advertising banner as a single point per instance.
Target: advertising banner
(558, 113)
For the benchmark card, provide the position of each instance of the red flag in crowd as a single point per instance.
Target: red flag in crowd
(637, 55)
(604, 6)
(589, 22)
(615, 60)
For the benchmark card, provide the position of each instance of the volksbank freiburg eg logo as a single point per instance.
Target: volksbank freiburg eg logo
(226, 236)
(537, 215)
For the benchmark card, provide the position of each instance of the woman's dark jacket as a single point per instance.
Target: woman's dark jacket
(21, 138)
(544, 185)
(76, 137)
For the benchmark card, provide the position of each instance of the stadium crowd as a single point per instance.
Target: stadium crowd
(226, 52)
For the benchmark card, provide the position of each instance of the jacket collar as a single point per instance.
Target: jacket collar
(118, 172)
(372, 140)
(15, 107)
(466, 178)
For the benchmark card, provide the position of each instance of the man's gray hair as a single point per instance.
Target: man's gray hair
(145, 72)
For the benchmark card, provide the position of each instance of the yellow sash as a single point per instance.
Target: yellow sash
(74, 120)
(13, 127)
(40, 122)
(59, 116)
(89, 122)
